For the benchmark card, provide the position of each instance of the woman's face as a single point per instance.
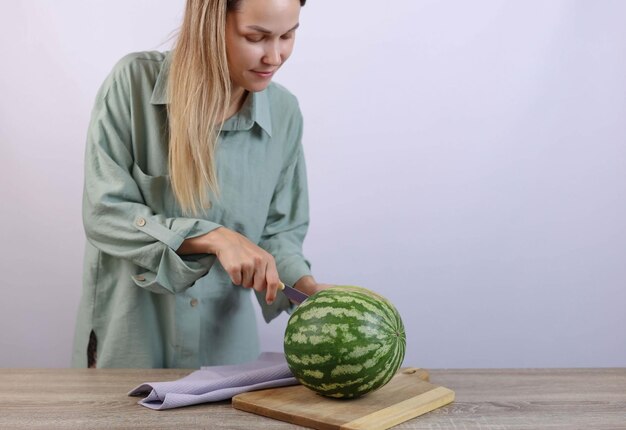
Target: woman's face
(259, 38)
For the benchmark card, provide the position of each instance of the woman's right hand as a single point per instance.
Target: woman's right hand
(247, 264)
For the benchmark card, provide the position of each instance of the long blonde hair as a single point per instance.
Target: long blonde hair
(199, 93)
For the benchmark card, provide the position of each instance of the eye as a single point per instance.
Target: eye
(254, 38)
(287, 36)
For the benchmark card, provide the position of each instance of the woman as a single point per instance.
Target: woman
(194, 181)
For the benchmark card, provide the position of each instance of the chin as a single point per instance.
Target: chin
(257, 86)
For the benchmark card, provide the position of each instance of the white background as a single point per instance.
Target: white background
(466, 159)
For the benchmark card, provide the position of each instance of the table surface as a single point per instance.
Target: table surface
(486, 399)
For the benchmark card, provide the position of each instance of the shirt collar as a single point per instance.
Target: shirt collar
(255, 109)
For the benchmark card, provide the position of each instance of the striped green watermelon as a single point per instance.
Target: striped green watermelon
(344, 342)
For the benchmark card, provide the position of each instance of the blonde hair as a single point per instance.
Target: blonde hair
(199, 93)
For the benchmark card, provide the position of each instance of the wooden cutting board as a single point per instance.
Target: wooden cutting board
(406, 396)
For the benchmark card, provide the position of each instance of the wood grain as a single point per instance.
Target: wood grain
(406, 396)
(486, 399)
(391, 416)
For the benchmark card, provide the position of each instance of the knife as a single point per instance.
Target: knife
(292, 294)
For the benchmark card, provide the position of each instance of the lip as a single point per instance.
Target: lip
(263, 74)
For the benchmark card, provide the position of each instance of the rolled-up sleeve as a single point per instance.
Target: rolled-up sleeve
(117, 219)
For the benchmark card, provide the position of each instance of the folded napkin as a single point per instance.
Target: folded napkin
(215, 383)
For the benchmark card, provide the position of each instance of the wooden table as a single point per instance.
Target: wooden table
(485, 400)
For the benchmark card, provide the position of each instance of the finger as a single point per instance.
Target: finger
(235, 275)
(273, 282)
(247, 273)
(259, 275)
(257, 264)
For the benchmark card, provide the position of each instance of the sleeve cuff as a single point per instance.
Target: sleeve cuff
(292, 269)
(161, 233)
(179, 229)
(282, 303)
(175, 274)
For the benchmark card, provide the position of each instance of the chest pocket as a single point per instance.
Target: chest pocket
(156, 192)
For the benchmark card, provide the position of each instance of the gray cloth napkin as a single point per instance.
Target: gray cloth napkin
(215, 383)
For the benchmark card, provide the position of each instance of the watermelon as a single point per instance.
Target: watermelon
(344, 342)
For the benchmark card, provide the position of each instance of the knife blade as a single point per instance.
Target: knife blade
(292, 294)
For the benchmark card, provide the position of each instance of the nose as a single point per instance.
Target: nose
(273, 56)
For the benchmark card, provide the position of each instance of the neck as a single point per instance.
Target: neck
(237, 97)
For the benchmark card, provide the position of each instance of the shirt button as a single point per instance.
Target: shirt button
(141, 222)
(140, 278)
(193, 303)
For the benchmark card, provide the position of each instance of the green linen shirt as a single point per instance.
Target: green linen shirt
(147, 305)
